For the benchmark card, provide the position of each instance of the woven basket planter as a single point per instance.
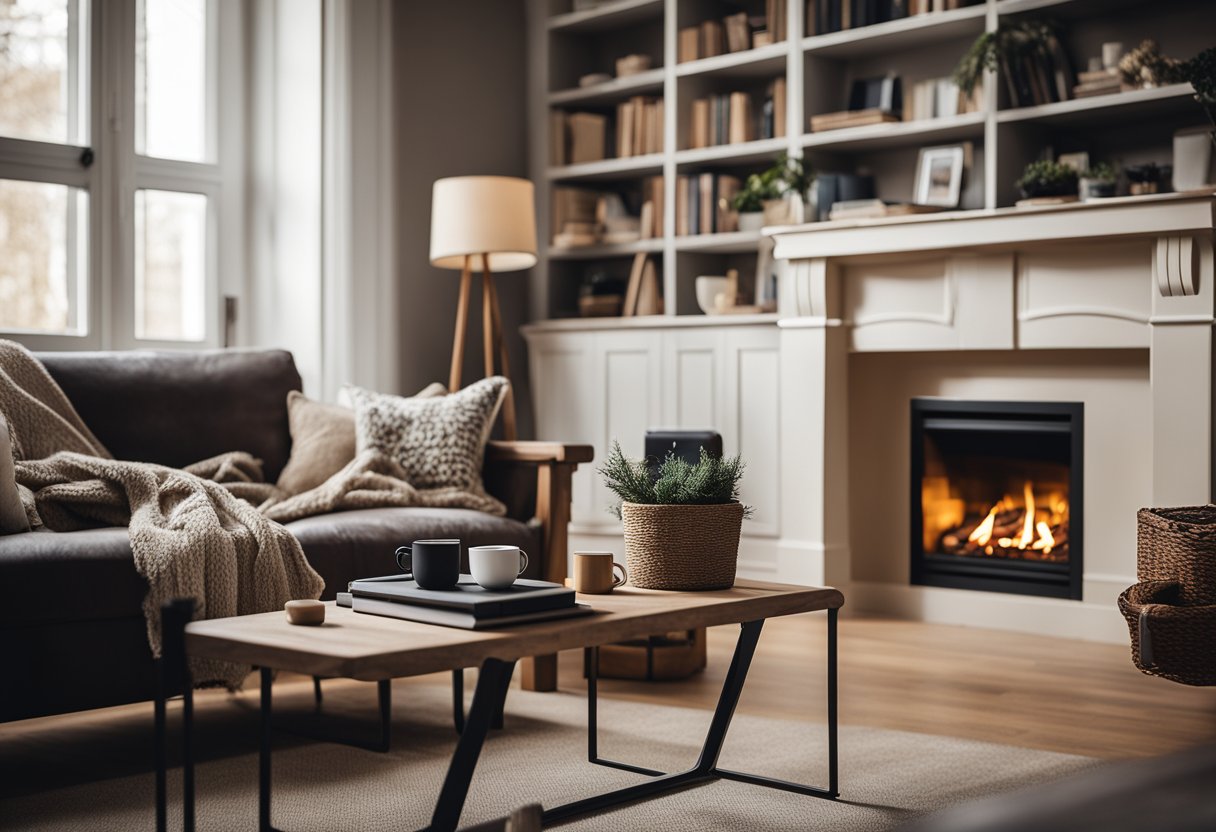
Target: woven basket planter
(1171, 612)
(682, 547)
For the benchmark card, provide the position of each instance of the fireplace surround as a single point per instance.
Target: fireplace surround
(997, 496)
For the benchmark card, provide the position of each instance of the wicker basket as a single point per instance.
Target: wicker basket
(1171, 612)
(682, 547)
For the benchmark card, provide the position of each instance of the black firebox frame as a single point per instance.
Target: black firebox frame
(1053, 580)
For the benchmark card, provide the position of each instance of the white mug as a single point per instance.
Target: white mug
(497, 567)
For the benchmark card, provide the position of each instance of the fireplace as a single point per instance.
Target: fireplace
(996, 496)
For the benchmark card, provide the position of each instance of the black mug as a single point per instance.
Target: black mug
(435, 564)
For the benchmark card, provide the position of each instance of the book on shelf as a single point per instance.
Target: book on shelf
(713, 39)
(851, 118)
(1042, 76)
(688, 44)
(939, 98)
(738, 33)
(703, 203)
(734, 33)
(826, 16)
(871, 208)
(584, 217)
(776, 19)
(639, 126)
(731, 118)
(586, 137)
(574, 213)
(652, 192)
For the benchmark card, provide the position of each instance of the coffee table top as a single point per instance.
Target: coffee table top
(372, 647)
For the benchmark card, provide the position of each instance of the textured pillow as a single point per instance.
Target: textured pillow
(12, 512)
(322, 440)
(440, 442)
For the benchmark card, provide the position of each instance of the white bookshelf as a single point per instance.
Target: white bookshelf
(1130, 127)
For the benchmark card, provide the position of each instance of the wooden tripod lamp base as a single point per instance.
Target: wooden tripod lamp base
(492, 340)
(483, 217)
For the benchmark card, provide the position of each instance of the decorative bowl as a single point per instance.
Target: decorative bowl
(708, 288)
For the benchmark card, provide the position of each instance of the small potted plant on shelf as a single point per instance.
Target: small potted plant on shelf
(1098, 181)
(1046, 181)
(775, 196)
(1201, 72)
(681, 522)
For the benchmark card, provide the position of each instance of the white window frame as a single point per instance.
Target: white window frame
(117, 172)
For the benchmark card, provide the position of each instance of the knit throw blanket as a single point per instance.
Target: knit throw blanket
(191, 534)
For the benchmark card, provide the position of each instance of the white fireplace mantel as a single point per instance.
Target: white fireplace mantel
(1050, 284)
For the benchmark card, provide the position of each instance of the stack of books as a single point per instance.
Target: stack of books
(639, 126)
(851, 118)
(703, 204)
(576, 137)
(734, 33)
(467, 605)
(823, 16)
(730, 118)
(586, 217)
(856, 209)
(939, 98)
(1039, 76)
(1098, 82)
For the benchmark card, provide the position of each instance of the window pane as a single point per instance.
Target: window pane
(44, 239)
(171, 79)
(170, 265)
(42, 88)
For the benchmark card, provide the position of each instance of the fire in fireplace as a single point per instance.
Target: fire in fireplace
(996, 496)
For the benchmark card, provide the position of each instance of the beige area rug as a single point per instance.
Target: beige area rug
(887, 777)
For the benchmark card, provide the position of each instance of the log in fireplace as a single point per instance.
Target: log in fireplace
(996, 496)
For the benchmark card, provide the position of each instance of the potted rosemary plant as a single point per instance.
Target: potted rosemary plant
(1047, 179)
(681, 523)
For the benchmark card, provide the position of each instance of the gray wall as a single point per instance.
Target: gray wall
(460, 85)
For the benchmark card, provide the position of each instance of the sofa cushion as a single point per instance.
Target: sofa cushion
(438, 442)
(322, 440)
(179, 407)
(360, 544)
(69, 576)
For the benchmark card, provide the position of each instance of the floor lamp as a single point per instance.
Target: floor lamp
(486, 221)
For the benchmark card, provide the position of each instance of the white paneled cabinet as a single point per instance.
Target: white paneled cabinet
(600, 385)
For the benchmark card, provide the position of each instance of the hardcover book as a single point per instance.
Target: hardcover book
(524, 596)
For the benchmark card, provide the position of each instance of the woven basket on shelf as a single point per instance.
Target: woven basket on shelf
(1171, 612)
(691, 547)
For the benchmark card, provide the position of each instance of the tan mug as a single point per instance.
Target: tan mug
(594, 573)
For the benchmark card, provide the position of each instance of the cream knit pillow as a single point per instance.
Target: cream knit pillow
(438, 442)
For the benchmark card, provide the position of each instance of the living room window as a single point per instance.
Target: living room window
(111, 170)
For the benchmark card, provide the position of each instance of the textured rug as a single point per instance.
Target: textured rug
(886, 777)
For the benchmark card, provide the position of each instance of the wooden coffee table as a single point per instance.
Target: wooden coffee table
(373, 648)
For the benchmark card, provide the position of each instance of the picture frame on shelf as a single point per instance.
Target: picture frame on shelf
(939, 175)
(1077, 161)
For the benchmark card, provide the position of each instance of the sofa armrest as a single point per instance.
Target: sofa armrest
(538, 452)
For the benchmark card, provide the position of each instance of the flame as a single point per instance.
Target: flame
(1046, 540)
(1028, 526)
(983, 532)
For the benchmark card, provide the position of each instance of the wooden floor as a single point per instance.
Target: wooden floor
(1032, 691)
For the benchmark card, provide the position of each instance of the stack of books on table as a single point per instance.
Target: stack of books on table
(467, 605)
(858, 209)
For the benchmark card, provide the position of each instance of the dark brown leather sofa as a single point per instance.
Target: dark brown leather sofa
(71, 627)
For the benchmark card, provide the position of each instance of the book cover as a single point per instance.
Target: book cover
(456, 618)
(524, 596)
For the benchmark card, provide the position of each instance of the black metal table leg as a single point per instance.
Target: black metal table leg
(592, 656)
(264, 749)
(173, 673)
(493, 679)
(458, 699)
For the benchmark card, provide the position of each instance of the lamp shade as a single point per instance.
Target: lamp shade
(491, 215)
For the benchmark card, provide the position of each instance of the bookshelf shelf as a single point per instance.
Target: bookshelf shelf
(608, 169)
(1099, 109)
(611, 16)
(895, 35)
(730, 242)
(1123, 129)
(750, 63)
(606, 251)
(899, 134)
(617, 89)
(762, 150)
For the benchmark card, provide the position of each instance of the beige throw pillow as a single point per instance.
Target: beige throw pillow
(322, 440)
(12, 512)
(439, 442)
